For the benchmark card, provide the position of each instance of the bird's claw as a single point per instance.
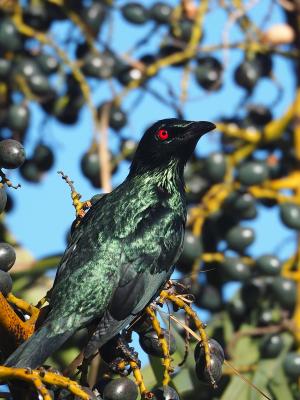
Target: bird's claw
(128, 352)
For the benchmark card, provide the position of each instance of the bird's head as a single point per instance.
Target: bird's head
(167, 140)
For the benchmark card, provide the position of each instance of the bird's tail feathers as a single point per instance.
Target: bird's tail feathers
(34, 352)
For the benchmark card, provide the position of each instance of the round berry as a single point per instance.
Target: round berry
(271, 346)
(18, 117)
(93, 16)
(209, 298)
(7, 256)
(284, 291)
(5, 68)
(252, 291)
(117, 118)
(127, 74)
(161, 12)
(247, 74)
(182, 30)
(39, 84)
(291, 365)
(12, 154)
(268, 265)
(10, 39)
(43, 157)
(30, 172)
(237, 308)
(215, 167)
(205, 374)
(235, 269)
(100, 66)
(47, 63)
(240, 202)
(197, 185)
(165, 393)
(36, 16)
(5, 283)
(135, 13)
(150, 343)
(27, 67)
(241, 206)
(290, 215)
(90, 166)
(214, 348)
(128, 148)
(252, 173)
(266, 318)
(3, 200)
(192, 248)
(208, 73)
(120, 389)
(239, 237)
(259, 114)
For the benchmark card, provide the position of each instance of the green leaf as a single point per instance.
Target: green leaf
(245, 352)
(279, 386)
(269, 373)
(237, 390)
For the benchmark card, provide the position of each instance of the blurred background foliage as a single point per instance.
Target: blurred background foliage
(80, 80)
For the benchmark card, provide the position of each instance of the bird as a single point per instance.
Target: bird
(124, 250)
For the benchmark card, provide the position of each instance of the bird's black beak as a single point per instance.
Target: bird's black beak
(199, 128)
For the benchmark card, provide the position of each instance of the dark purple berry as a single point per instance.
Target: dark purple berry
(165, 393)
(271, 346)
(268, 265)
(7, 256)
(239, 238)
(3, 200)
(291, 365)
(120, 389)
(5, 283)
(135, 13)
(43, 157)
(290, 215)
(30, 172)
(214, 372)
(214, 348)
(161, 12)
(12, 154)
(150, 343)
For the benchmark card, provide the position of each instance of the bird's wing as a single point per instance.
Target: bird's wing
(88, 272)
(148, 260)
(107, 270)
(77, 236)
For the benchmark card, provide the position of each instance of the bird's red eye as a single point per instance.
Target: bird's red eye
(162, 134)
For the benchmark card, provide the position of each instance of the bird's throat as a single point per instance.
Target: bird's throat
(169, 177)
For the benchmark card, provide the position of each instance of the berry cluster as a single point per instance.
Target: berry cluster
(12, 155)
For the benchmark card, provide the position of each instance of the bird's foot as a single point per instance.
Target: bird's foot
(128, 352)
(125, 357)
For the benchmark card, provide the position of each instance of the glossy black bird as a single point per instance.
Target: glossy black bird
(123, 251)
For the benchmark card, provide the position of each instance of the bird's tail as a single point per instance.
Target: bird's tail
(34, 352)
